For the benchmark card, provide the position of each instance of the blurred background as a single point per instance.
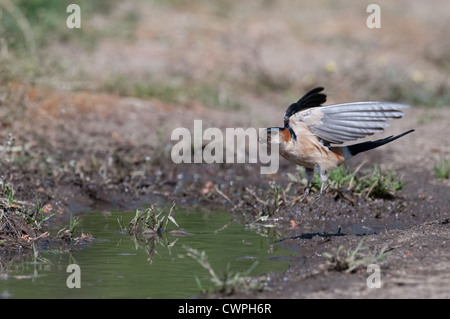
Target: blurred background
(224, 54)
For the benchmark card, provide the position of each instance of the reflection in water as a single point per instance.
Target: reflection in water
(151, 241)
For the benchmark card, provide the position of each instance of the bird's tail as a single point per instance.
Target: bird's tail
(352, 150)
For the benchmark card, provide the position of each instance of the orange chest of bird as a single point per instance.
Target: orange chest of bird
(305, 150)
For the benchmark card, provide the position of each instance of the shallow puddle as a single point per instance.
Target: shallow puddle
(116, 266)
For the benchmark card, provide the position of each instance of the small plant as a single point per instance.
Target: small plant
(122, 225)
(151, 221)
(375, 183)
(148, 229)
(37, 258)
(379, 184)
(73, 223)
(9, 193)
(342, 177)
(350, 260)
(270, 200)
(229, 282)
(39, 218)
(442, 168)
(67, 233)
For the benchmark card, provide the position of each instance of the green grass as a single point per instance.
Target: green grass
(8, 192)
(67, 233)
(38, 218)
(24, 220)
(379, 184)
(373, 183)
(442, 168)
(26, 24)
(28, 28)
(148, 229)
(349, 260)
(121, 85)
(150, 221)
(73, 223)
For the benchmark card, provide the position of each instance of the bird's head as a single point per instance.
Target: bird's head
(272, 135)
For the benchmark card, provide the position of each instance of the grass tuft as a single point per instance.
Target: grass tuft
(442, 168)
(351, 259)
(151, 221)
(373, 183)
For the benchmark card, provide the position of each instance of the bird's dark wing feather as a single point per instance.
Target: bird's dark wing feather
(311, 99)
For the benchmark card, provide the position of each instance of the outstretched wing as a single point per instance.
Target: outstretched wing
(340, 123)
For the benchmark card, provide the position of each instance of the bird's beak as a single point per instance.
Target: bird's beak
(264, 137)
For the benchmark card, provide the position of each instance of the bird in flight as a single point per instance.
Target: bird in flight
(310, 129)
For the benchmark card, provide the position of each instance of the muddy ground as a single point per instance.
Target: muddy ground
(83, 136)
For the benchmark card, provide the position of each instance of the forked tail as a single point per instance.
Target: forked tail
(352, 150)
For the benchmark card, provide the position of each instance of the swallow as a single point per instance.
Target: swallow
(311, 132)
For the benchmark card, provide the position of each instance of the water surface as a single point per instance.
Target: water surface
(116, 266)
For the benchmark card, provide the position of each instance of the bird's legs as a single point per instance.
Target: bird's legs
(323, 182)
(309, 175)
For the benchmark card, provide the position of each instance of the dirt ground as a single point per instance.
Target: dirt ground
(83, 136)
